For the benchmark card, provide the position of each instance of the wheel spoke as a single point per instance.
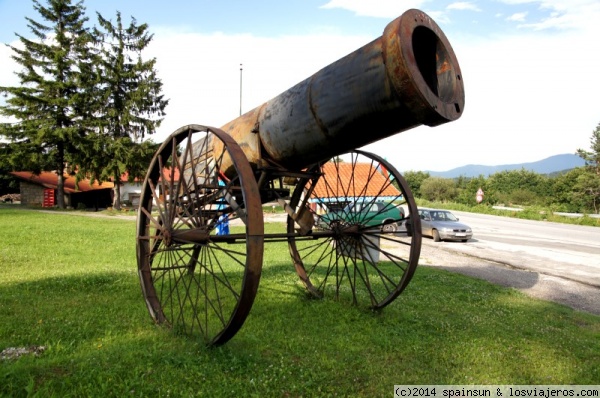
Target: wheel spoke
(191, 283)
(366, 259)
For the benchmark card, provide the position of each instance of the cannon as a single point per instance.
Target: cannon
(200, 224)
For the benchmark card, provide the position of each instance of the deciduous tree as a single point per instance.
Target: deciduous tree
(438, 189)
(468, 187)
(588, 184)
(414, 179)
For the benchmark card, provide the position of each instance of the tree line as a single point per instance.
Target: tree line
(576, 190)
(87, 98)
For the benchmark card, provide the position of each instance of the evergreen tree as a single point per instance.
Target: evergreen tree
(8, 183)
(49, 126)
(131, 103)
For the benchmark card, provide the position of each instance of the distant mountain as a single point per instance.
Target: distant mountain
(549, 165)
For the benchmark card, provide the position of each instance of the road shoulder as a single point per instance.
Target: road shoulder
(573, 294)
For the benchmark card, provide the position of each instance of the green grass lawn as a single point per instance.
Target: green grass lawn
(69, 283)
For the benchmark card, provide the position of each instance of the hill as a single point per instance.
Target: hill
(556, 163)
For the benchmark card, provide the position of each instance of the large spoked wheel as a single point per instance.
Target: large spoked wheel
(200, 235)
(360, 249)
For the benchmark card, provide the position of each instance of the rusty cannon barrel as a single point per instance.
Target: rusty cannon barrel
(407, 77)
(202, 179)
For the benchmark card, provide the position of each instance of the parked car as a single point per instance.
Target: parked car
(442, 225)
(385, 215)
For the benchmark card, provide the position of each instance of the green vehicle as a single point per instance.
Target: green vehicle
(383, 215)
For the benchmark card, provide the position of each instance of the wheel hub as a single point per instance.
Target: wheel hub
(167, 237)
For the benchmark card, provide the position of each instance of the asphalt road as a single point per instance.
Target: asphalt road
(551, 261)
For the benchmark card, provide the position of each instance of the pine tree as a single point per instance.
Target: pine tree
(132, 103)
(49, 126)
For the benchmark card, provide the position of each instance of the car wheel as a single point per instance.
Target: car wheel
(389, 227)
(436, 236)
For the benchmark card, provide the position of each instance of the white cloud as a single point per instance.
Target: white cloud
(463, 5)
(517, 17)
(375, 8)
(8, 66)
(516, 2)
(575, 14)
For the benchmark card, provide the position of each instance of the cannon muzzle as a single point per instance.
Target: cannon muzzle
(407, 77)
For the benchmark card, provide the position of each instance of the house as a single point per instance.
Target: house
(343, 183)
(40, 190)
(132, 190)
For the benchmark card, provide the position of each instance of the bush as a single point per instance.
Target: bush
(523, 197)
(438, 189)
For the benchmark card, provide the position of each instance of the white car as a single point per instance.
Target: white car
(443, 225)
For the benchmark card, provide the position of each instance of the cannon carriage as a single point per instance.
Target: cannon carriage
(298, 149)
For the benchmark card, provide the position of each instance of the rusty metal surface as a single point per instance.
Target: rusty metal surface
(372, 262)
(241, 129)
(175, 234)
(254, 239)
(423, 68)
(407, 77)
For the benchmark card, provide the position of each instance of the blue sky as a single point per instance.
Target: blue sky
(530, 67)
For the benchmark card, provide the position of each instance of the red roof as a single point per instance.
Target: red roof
(355, 180)
(125, 178)
(49, 179)
(166, 174)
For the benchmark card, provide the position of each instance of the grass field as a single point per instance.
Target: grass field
(69, 283)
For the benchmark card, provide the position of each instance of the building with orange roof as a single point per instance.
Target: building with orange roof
(343, 183)
(40, 190)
